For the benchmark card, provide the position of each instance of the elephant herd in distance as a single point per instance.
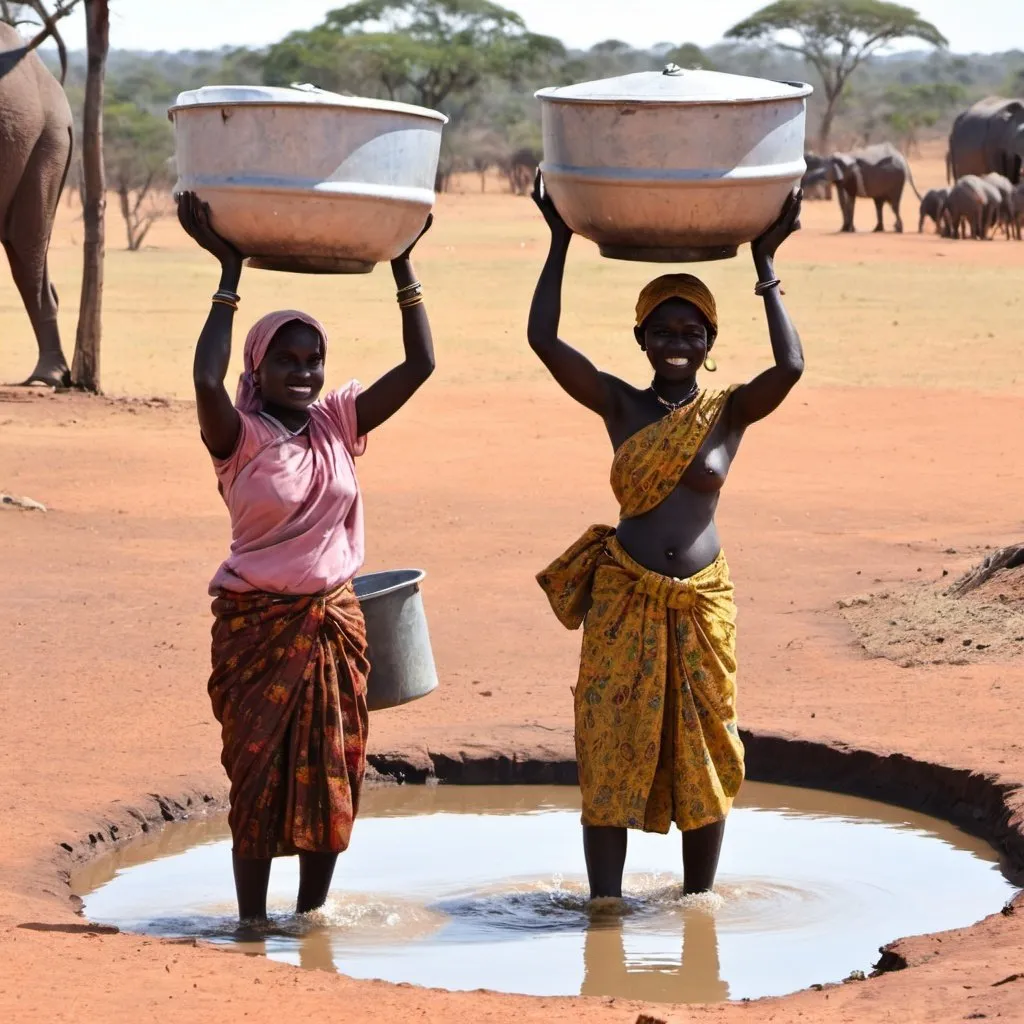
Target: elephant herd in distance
(983, 168)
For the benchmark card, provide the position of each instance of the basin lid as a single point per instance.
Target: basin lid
(674, 85)
(295, 95)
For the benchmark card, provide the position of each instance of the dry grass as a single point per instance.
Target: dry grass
(912, 311)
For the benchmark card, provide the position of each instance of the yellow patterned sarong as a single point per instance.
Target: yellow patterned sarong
(655, 702)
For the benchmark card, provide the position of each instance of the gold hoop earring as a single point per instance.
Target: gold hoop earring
(710, 365)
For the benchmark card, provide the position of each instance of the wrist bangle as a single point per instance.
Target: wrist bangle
(763, 287)
(409, 288)
(220, 301)
(409, 303)
(225, 297)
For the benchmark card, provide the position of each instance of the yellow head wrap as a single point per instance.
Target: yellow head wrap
(677, 286)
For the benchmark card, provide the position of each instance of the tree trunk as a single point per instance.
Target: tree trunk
(825, 128)
(85, 368)
(126, 213)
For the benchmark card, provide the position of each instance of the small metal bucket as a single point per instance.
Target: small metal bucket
(401, 660)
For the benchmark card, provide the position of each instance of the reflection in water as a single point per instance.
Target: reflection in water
(483, 887)
(696, 977)
(315, 952)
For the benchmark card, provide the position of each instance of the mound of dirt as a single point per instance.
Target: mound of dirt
(980, 618)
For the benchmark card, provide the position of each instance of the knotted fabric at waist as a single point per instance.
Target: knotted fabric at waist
(569, 580)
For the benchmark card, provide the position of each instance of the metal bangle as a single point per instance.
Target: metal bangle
(409, 288)
(225, 302)
(762, 287)
(223, 293)
(409, 303)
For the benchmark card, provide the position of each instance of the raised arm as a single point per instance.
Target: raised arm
(382, 399)
(218, 417)
(576, 374)
(765, 393)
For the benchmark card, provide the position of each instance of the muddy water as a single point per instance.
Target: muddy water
(484, 887)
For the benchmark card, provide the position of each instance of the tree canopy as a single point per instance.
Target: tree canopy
(690, 55)
(906, 110)
(835, 37)
(424, 51)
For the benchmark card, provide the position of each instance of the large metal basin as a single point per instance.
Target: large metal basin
(401, 660)
(309, 181)
(673, 166)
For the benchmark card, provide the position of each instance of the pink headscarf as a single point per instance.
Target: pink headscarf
(261, 334)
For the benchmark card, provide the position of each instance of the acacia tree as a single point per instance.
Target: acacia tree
(424, 51)
(137, 148)
(835, 37)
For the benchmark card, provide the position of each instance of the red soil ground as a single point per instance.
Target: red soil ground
(484, 478)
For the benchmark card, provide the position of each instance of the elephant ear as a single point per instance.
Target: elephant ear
(850, 166)
(838, 164)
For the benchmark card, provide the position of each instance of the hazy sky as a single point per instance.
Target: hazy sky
(993, 25)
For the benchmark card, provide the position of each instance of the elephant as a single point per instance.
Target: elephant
(877, 172)
(1006, 207)
(36, 137)
(521, 169)
(973, 202)
(987, 137)
(1017, 206)
(814, 182)
(931, 206)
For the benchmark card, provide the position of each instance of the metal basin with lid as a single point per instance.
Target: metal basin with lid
(305, 180)
(673, 166)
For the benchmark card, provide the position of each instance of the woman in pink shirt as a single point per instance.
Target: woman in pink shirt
(289, 643)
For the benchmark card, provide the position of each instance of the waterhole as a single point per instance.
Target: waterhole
(485, 887)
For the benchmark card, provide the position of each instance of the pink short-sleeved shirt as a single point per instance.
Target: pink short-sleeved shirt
(296, 511)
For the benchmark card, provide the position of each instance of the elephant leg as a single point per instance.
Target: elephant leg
(898, 224)
(26, 240)
(846, 203)
(879, 204)
(987, 224)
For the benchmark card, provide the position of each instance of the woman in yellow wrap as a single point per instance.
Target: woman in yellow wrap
(655, 702)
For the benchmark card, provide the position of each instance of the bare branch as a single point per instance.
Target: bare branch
(143, 192)
(141, 236)
(49, 29)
